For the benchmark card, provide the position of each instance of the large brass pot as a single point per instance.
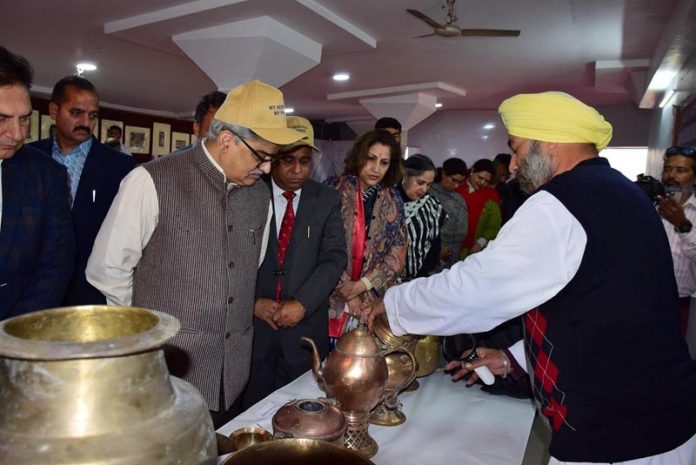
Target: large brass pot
(89, 385)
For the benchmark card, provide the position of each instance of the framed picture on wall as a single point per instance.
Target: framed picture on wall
(105, 125)
(33, 133)
(161, 139)
(138, 139)
(180, 140)
(48, 127)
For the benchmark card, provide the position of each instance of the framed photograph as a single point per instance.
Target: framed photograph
(138, 139)
(33, 133)
(180, 140)
(161, 140)
(105, 125)
(48, 126)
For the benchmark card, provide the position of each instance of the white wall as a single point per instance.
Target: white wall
(461, 134)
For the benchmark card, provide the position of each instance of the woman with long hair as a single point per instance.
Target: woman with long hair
(423, 217)
(372, 213)
(483, 204)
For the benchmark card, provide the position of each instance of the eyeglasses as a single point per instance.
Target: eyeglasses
(257, 155)
(678, 150)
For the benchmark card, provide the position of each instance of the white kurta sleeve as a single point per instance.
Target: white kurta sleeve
(534, 256)
(125, 232)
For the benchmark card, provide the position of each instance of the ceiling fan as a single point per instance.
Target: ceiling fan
(449, 29)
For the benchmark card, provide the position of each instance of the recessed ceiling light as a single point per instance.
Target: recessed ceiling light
(488, 126)
(485, 137)
(289, 110)
(341, 77)
(438, 105)
(85, 67)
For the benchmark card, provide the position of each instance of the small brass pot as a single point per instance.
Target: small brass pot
(310, 419)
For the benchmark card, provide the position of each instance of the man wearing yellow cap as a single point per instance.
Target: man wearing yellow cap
(586, 261)
(185, 236)
(306, 256)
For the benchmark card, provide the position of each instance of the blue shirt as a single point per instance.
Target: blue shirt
(74, 162)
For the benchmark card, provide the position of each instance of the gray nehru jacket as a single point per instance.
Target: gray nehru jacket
(200, 266)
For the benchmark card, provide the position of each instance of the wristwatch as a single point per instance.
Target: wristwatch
(685, 227)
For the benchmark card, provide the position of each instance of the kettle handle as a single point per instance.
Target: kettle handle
(414, 367)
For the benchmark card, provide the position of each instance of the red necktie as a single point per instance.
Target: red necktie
(284, 237)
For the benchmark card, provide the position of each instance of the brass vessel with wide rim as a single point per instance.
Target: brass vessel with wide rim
(89, 385)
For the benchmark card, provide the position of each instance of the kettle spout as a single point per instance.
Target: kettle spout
(316, 360)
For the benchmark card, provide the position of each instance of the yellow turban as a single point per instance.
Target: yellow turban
(554, 117)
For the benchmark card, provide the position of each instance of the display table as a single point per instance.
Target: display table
(446, 423)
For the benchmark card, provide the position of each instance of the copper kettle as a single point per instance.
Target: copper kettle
(355, 374)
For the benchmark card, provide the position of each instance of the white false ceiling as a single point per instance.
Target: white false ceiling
(162, 55)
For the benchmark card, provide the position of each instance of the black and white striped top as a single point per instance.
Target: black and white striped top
(423, 219)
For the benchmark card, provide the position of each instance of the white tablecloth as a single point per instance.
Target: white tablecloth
(447, 423)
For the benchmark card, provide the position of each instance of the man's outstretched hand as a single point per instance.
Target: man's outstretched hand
(371, 311)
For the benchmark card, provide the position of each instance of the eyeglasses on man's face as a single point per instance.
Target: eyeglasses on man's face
(678, 150)
(265, 158)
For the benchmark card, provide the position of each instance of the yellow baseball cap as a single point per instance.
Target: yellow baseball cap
(303, 126)
(258, 106)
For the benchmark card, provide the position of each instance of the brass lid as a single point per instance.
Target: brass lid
(358, 342)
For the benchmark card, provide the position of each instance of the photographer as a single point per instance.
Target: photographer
(678, 211)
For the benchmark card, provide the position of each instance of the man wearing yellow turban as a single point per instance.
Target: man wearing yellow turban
(586, 261)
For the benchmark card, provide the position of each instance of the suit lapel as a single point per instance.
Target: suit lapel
(13, 186)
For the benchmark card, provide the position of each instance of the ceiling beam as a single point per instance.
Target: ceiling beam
(436, 87)
(165, 14)
(339, 21)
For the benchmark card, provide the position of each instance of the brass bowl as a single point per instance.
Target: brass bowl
(244, 437)
(296, 452)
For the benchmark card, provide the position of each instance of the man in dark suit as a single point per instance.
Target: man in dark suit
(37, 247)
(94, 171)
(293, 287)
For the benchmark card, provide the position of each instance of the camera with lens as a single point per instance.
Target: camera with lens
(654, 188)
